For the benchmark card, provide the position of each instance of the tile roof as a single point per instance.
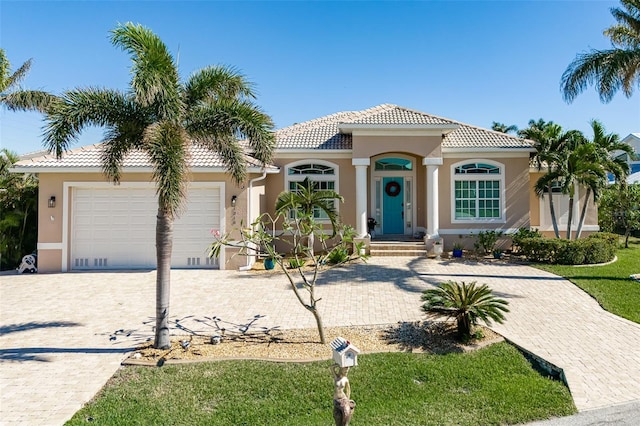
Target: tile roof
(323, 133)
(90, 157)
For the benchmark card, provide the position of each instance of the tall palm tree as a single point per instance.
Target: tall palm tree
(503, 128)
(551, 144)
(611, 69)
(606, 147)
(15, 98)
(580, 168)
(162, 117)
(467, 303)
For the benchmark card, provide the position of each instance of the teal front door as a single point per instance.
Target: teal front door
(393, 205)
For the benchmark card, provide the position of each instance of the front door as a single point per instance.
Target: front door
(393, 205)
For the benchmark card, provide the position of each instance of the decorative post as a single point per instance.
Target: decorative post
(345, 355)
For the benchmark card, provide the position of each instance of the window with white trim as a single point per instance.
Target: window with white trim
(323, 174)
(478, 191)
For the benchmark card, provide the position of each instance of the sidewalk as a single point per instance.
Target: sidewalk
(56, 352)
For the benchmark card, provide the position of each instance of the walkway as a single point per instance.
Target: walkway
(56, 352)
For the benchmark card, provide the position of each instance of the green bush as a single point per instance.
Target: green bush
(522, 233)
(338, 256)
(597, 248)
(486, 241)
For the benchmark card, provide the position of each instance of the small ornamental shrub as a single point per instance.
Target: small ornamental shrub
(338, 256)
(486, 241)
(467, 303)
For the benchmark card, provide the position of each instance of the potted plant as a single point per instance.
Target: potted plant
(269, 263)
(457, 249)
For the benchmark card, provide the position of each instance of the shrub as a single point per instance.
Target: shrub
(597, 248)
(486, 240)
(523, 233)
(338, 256)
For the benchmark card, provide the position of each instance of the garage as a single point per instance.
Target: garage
(113, 227)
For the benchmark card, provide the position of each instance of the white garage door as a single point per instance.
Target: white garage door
(114, 228)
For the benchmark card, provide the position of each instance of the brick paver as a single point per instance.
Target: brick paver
(55, 350)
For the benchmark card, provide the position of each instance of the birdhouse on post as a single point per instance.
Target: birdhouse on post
(344, 353)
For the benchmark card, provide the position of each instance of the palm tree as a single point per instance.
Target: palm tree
(467, 303)
(606, 147)
(306, 199)
(162, 117)
(551, 144)
(503, 128)
(611, 69)
(14, 98)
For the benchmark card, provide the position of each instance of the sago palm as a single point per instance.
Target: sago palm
(467, 303)
(162, 117)
(16, 98)
(612, 69)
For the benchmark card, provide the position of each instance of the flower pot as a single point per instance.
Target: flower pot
(457, 252)
(269, 263)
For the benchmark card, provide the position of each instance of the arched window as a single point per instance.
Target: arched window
(478, 191)
(323, 174)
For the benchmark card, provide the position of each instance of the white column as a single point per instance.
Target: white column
(361, 165)
(433, 218)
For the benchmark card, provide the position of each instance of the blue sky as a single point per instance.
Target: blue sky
(473, 61)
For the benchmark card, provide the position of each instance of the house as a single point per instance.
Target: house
(633, 140)
(414, 173)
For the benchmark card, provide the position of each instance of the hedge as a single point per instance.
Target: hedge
(596, 248)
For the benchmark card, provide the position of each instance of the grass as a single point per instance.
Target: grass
(495, 385)
(609, 284)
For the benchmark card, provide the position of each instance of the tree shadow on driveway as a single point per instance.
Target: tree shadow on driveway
(26, 326)
(39, 354)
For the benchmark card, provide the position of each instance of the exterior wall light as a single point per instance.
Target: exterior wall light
(52, 202)
(234, 199)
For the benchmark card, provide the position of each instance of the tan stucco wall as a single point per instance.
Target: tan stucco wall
(52, 184)
(422, 146)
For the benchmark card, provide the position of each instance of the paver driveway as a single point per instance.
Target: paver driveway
(55, 351)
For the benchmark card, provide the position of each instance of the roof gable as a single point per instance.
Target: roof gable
(324, 133)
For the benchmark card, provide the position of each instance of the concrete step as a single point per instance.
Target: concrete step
(409, 253)
(398, 248)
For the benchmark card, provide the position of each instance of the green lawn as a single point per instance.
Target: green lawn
(495, 385)
(610, 284)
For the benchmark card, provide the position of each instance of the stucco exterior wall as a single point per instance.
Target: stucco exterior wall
(423, 146)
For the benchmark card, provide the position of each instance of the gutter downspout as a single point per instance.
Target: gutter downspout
(251, 259)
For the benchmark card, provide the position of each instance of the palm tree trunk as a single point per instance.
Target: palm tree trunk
(583, 214)
(552, 212)
(164, 245)
(570, 217)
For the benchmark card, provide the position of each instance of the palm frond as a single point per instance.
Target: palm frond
(217, 82)
(238, 119)
(10, 81)
(155, 79)
(80, 108)
(28, 100)
(166, 143)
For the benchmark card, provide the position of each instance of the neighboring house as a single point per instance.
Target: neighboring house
(633, 139)
(414, 173)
